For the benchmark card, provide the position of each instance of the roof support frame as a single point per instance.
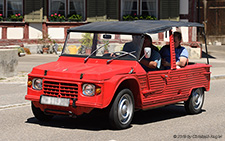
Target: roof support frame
(206, 49)
(172, 51)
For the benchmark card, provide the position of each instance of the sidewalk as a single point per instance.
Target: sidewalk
(217, 60)
(26, 63)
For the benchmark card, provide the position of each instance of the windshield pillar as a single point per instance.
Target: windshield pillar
(64, 46)
(94, 43)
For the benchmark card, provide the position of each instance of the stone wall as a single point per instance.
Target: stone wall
(8, 62)
(194, 53)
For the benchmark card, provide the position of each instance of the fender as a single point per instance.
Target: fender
(111, 86)
(196, 87)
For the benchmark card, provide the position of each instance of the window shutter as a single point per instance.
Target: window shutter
(33, 10)
(91, 10)
(112, 10)
(96, 10)
(169, 9)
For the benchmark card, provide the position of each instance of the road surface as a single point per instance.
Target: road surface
(166, 123)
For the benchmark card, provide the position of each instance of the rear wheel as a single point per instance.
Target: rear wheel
(122, 110)
(40, 115)
(195, 102)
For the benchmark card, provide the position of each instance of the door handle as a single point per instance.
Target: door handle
(164, 76)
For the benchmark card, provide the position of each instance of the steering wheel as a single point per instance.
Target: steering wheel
(118, 53)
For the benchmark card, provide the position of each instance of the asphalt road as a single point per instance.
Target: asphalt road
(167, 123)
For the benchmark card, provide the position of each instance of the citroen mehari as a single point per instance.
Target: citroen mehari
(95, 72)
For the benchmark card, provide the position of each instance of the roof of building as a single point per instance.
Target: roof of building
(133, 27)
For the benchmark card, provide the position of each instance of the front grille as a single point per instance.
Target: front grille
(59, 89)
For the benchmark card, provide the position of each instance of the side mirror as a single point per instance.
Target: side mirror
(147, 51)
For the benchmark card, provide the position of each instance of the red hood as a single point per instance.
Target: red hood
(93, 69)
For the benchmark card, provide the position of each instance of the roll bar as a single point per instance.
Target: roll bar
(207, 55)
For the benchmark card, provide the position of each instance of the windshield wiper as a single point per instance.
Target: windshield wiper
(85, 60)
(125, 53)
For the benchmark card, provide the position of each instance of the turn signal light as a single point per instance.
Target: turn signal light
(98, 90)
(29, 83)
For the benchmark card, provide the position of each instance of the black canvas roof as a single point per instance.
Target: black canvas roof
(133, 27)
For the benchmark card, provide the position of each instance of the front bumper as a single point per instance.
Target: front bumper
(65, 89)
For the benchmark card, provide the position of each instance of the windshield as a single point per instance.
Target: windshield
(106, 46)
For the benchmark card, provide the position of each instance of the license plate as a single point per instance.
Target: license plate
(55, 101)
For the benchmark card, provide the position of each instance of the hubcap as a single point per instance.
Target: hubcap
(125, 109)
(197, 100)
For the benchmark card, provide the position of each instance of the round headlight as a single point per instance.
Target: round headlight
(88, 89)
(37, 83)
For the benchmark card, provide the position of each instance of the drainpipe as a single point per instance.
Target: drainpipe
(198, 11)
(205, 27)
(205, 15)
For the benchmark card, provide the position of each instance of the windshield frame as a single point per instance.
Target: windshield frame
(100, 57)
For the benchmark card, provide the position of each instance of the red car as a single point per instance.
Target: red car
(95, 72)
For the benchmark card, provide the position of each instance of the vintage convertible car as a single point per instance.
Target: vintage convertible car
(95, 71)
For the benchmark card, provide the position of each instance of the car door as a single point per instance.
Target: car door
(165, 86)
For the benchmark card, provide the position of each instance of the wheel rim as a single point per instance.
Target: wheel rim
(125, 109)
(197, 100)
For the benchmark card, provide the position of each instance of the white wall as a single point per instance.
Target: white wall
(56, 33)
(76, 35)
(15, 33)
(184, 6)
(167, 34)
(194, 34)
(126, 37)
(35, 30)
(184, 32)
(155, 37)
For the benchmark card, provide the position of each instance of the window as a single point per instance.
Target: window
(14, 7)
(1, 7)
(67, 8)
(57, 6)
(76, 7)
(130, 7)
(147, 7)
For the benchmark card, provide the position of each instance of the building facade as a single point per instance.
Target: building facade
(28, 21)
(211, 13)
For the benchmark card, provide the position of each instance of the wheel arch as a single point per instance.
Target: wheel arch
(133, 85)
(197, 87)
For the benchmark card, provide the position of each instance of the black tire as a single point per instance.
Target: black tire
(195, 102)
(39, 114)
(122, 110)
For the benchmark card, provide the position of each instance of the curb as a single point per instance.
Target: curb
(215, 77)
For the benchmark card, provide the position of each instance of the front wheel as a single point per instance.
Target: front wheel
(39, 114)
(122, 110)
(195, 102)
